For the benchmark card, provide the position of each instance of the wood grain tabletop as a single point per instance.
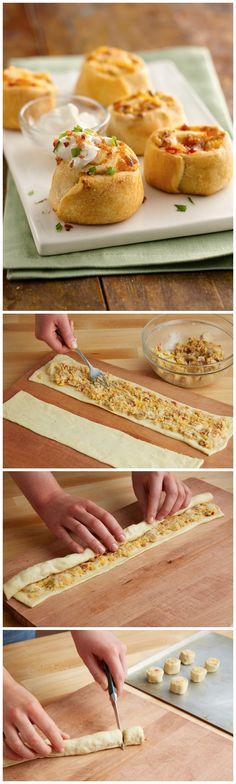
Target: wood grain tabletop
(111, 337)
(67, 28)
(50, 667)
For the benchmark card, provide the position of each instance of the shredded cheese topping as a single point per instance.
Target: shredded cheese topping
(188, 140)
(14, 76)
(172, 523)
(138, 104)
(122, 396)
(113, 61)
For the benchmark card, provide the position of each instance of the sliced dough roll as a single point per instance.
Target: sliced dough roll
(154, 674)
(134, 118)
(198, 674)
(187, 656)
(172, 665)
(108, 74)
(212, 664)
(195, 160)
(20, 86)
(179, 685)
(97, 179)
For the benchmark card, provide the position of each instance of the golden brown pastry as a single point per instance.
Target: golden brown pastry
(179, 685)
(172, 665)
(195, 160)
(20, 86)
(198, 674)
(154, 674)
(108, 74)
(134, 118)
(212, 664)
(97, 179)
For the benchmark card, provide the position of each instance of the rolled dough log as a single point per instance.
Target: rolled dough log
(103, 443)
(88, 744)
(33, 574)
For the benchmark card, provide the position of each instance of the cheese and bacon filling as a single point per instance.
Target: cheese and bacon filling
(15, 77)
(94, 154)
(188, 140)
(112, 61)
(138, 104)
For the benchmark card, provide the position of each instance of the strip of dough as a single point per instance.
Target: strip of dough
(34, 574)
(103, 443)
(41, 377)
(88, 744)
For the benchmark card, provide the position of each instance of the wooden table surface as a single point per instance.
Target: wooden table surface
(56, 29)
(50, 667)
(113, 338)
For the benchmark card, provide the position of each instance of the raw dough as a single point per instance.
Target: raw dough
(41, 376)
(25, 586)
(198, 674)
(172, 665)
(91, 743)
(103, 443)
(212, 664)
(154, 674)
(179, 685)
(187, 656)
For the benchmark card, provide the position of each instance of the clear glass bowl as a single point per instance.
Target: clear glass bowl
(32, 111)
(168, 333)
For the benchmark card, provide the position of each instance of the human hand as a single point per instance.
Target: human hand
(148, 487)
(22, 713)
(67, 517)
(97, 646)
(57, 330)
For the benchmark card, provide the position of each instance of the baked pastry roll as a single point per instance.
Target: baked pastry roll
(172, 666)
(108, 74)
(134, 118)
(212, 664)
(20, 86)
(187, 656)
(97, 179)
(198, 674)
(195, 160)
(179, 685)
(154, 674)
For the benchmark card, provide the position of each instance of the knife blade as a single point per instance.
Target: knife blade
(113, 697)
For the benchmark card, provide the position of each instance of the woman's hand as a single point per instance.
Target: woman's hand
(149, 486)
(22, 714)
(96, 647)
(57, 330)
(68, 517)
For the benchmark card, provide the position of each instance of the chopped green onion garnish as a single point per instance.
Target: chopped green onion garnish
(92, 170)
(77, 128)
(110, 170)
(88, 130)
(113, 140)
(191, 200)
(30, 193)
(181, 207)
(59, 227)
(75, 151)
(62, 134)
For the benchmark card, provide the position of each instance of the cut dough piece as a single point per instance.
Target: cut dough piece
(187, 656)
(40, 581)
(212, 664)
(172, 665)
(154, 674)
(206, 432)
(198, 674)
(179, 685)
(103, 443)
(90, 743)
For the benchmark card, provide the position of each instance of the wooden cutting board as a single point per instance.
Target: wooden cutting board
(176, 748)
(25, 449)
(189, 577)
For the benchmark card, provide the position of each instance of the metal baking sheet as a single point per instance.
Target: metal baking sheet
(211, 700)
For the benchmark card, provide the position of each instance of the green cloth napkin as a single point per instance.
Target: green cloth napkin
(205, 251)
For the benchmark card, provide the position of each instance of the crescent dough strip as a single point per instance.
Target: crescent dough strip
(155, 535)
(216, 442)
(104, 443)
(91, 743)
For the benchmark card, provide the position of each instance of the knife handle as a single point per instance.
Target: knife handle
(111, 684)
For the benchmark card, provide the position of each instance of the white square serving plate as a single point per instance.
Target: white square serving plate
(158, 218)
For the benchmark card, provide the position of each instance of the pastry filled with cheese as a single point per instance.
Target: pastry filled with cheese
(108, 74)
(20, 86)
(134, 118)
(195, 160)
(97, 179)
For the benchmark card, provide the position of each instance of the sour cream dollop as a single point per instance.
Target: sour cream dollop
(65, 116)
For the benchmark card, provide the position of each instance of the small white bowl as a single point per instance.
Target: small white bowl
(32, 111)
